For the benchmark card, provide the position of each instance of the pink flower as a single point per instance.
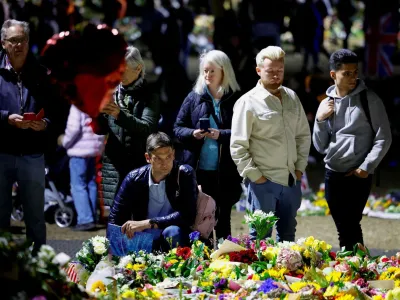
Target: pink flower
(343, 267)
(199, 268)
(168, 265)
(289, 259)
(234, 286)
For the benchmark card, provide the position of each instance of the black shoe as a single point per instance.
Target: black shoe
(84, 227)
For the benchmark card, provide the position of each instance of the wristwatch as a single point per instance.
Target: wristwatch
(152, 223)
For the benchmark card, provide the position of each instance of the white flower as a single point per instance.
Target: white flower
(61, 259)
(301, 241)
(118, 276)
(99, 248)
(3, 241)
(46, 252)
(42, 264)
(356, 261)
(124, 261)
(140, 260)
(286, 244)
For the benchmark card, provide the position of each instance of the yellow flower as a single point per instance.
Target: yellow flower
(256, 277)
(173, 261)
(345, 297)
(334, 276)
(347, 278)
(206, 283)
(393, 294)
(397, 283)
(297, 286)
(378, 297)
(307, 253)
(309, 241)
(297, 248)
(128, 294)
(277, 274)
(331, 291)
(98, 286)
(151, 293)
(270, 253)
(138, 267)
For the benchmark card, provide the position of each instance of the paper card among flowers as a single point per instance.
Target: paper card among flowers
(121, 245)
(226, 247)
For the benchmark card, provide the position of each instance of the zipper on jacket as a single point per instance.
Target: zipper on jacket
(20, 91)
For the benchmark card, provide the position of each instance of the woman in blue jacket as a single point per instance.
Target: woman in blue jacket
(213, 97)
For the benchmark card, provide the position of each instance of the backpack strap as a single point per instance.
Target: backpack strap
(365, 106)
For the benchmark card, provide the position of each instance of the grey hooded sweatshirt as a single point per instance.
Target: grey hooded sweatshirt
(346, 136)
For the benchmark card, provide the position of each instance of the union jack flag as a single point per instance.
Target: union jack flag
(381, 39)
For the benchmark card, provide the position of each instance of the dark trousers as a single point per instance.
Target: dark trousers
(210, 185)
(346, 197)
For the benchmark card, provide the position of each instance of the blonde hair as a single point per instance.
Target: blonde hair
(271, 52)
(221, 61)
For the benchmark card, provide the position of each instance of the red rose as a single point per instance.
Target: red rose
(332, 255)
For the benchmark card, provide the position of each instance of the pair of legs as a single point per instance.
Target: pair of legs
(84, 188)
(347, 197)
(29, 172)
(283, 201)
(225, 192)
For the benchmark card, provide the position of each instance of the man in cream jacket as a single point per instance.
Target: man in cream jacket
(270, 143)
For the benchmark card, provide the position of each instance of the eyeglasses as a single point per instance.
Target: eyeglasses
(17, 40)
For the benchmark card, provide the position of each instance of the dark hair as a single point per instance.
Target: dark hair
(158, 140)
(340, 57)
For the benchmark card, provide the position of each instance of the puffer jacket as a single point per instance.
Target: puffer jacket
(132, 199)
(126, 141)
(79, 139)
(197, 106)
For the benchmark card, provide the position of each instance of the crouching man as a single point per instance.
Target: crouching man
(150, 198)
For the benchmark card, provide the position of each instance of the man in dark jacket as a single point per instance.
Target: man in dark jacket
(151, 198)
(23, 90)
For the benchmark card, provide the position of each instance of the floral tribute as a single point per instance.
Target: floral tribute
(305, 269)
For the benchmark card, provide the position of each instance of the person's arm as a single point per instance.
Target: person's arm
(303, 139)
(242, 126)
(224, 135)
(4, 117)
(321, 135)
(383, 135)
(188, 193)
(182, 126)
(148, 121)
(121, 210)
(74, 129)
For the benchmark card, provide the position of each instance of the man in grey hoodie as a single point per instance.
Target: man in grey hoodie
(353, 130)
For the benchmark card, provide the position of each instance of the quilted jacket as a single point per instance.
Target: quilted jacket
(132, 199)
(126, 142)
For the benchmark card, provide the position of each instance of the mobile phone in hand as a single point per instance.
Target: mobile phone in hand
(205, 124)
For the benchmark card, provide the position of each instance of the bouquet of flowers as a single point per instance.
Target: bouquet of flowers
(93, 250)
(262, 223)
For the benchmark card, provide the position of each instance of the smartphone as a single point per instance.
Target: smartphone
(205, 124)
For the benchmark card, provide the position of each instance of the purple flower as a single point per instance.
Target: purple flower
(232, 239)
(267, 286)
(220, 284)
(41, 297)
(194, 236)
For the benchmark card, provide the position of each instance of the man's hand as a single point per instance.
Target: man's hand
(60, 140)
(38, 125)
(261, 180)
(298, 174)
(111, 109)
(199, 134)
(325, 109)
(359, 173)
(18, 121)
(130, 227)
(213, 134)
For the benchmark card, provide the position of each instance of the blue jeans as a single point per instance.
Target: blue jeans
(84, 188)
(283, 201)
(28, 172)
